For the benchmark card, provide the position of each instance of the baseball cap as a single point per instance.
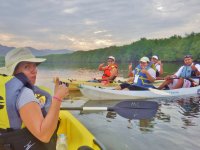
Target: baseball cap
(144, 59)
(154, 56)
(111, 57)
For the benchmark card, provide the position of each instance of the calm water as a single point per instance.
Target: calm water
(176, 125)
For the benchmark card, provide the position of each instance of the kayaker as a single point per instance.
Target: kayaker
(143, 76)
(183, 75)
(158, 65)
(110, 71)
(27, 122)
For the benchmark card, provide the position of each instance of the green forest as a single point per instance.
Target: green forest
(168, 49)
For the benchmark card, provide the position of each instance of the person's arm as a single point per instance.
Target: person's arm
(130, 69)
(196, 69)
(161, 67)
(150, 76)
(43, 127)
(101, 67)
(178, 73)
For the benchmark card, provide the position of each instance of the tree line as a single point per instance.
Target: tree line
(168, 49)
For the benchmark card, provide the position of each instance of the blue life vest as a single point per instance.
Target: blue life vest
(187, 72)
(142, 80)
(10, 90)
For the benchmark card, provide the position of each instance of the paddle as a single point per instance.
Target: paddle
(127, 109)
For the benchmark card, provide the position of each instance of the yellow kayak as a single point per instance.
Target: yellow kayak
(74, 84)
(77, 135)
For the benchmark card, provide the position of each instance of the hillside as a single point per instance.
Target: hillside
(168, 49)
(36, 52)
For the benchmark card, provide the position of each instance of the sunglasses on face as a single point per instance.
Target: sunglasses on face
(141, 62)
(188, 56)
(66, 84)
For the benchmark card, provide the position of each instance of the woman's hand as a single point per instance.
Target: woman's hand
(144, 71)
(60, 90)
(193, 67)
(130, 67)
(101, 67)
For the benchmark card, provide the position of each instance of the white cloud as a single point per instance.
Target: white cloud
(97, 32)
(67, 38)
(103, 42)
(90, 22)
(70, 10)
(108, 35)
(43, 30)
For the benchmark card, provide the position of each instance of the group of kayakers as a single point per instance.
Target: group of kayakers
(29, 115)
(146, 72)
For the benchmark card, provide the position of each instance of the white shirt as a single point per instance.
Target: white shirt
(178, 73)
(152, 72)
(26, 96)
(157, 67)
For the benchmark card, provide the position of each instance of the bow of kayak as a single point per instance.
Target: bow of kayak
(77, 134)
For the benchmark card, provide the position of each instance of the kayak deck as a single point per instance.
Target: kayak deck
(77, 134)
(74, 84)
(96, 93)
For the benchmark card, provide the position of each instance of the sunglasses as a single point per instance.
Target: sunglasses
(66, 84)
(188, 56)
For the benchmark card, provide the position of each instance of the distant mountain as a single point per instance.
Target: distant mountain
(4, 50)
(36, 52)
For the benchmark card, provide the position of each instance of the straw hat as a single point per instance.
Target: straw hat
(15, 56)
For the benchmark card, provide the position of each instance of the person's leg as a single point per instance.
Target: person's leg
(179, 84)
(122, 86)
(166, 82)
(118, 88)
(187, 83)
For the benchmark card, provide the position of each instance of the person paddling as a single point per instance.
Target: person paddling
(27, 122)
(184, 73)
(143, 76)
(110, 72)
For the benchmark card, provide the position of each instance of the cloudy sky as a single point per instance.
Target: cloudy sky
(91, 24)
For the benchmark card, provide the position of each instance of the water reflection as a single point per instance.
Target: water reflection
(162, 116)
(146, 125)
(189, 108)
(164, 131)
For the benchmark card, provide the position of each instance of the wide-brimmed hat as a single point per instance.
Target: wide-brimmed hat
(111, 57)
(144, 59)
(15, 56)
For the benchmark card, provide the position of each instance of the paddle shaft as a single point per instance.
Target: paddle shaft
(86, 108)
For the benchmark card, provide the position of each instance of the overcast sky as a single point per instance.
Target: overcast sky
(91, 24)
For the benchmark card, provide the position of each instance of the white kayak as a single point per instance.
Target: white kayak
(99, 93)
